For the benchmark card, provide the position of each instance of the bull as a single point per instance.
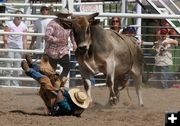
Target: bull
(105, 51)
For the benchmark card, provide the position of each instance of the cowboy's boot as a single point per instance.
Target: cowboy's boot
(29, 59)
(25, 66)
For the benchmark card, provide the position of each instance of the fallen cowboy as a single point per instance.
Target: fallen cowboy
(58, 99)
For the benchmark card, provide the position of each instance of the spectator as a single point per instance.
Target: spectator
(3, 7)
(173, 34)
(163, 57)
(56, 38)
(58, 102)
(116, 24)
(14, 42)
(2, 10)
(131, 32)
(163, 24)
(40, 27)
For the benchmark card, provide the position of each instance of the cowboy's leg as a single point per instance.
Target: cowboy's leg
(65, 63)
(30, 62)
(42, 79)
(53, 63)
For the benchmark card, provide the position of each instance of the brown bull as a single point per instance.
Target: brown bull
(106, 51)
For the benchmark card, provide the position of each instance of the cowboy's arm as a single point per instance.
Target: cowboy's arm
(155, 45)
(32, 42)
(170, 41)
(34, 37)
(63, 100)
(25, 40)
(5, 37)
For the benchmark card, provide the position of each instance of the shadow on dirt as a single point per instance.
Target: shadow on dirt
(27, 113)
(95, 106)
(27, 94)
(2, 113)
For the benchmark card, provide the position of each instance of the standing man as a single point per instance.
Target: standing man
(40, 27)
(56, 40)
(14, 42)
(163, 58)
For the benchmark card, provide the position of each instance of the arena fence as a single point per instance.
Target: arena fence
(149, 74)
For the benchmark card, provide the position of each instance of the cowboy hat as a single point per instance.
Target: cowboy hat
(63, 12)
(79, 98)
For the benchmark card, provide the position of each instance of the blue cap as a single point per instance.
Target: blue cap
(130, 30)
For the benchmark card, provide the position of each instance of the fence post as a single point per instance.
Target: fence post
(70, 6)
(139, 21)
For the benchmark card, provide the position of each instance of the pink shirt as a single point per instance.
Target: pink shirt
(55, 48)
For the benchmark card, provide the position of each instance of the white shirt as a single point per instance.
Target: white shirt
(164, 54)
(15, 41)
(40, 27)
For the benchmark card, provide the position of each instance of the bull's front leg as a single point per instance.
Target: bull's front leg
(113, 100)
(87, 87)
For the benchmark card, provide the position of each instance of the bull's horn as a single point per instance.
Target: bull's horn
(91, 16)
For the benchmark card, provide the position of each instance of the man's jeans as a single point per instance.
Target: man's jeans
(164, 75)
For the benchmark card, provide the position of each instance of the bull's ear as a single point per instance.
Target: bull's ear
(95, 22)
(67, 23)
(91, 16)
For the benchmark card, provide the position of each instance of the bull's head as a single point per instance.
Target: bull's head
(81, 28)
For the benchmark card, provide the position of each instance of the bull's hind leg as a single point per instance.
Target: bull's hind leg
(124, 83)
(130, 99)
(137, 78)
(87, 87)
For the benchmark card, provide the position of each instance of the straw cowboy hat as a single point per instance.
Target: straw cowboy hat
(63, 12)
(79, 98)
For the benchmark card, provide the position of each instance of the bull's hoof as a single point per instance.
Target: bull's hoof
(142, 105)
(113, 101)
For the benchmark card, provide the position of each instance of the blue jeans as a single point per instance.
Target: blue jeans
(164, 75)
(34, 72)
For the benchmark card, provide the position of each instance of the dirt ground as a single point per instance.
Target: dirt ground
(23, 107)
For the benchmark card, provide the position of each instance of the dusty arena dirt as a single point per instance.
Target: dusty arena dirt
(23, 107)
